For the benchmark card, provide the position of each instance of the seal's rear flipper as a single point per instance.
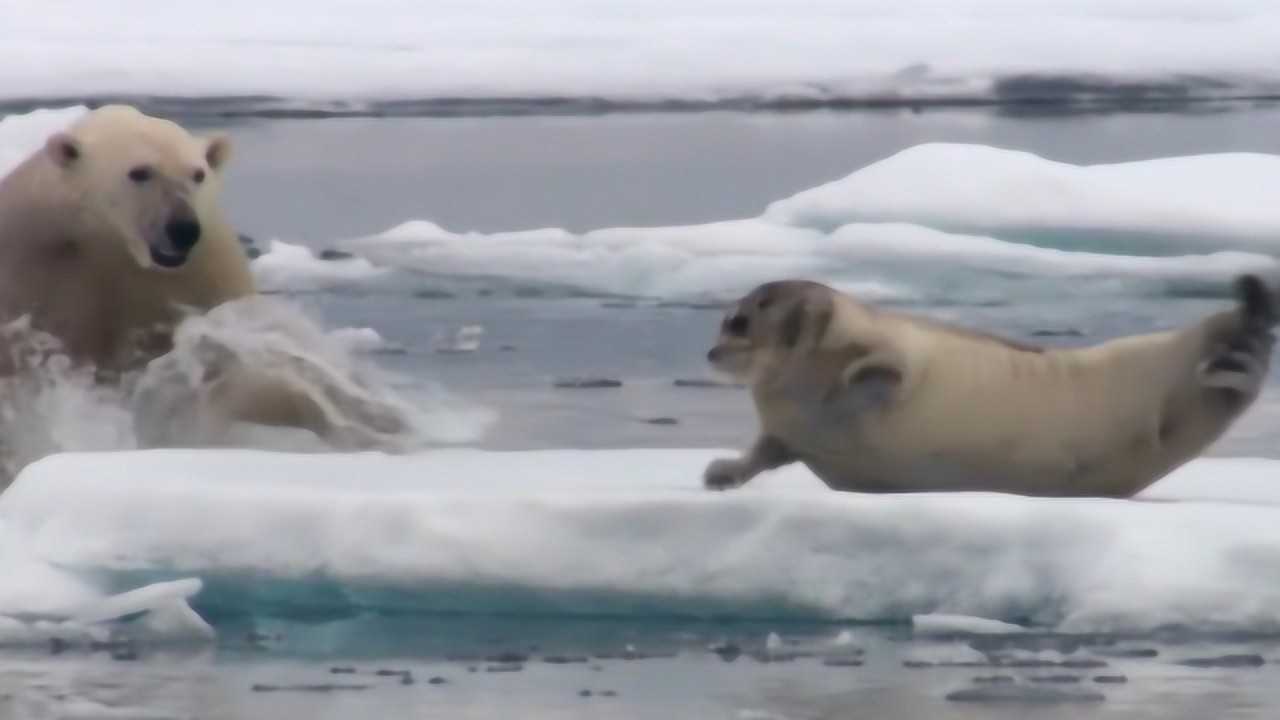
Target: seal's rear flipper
(1241, 358)
(1257, 301)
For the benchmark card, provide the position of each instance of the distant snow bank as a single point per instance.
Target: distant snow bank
(759, 50)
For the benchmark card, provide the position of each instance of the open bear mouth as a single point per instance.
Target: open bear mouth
(166, 259)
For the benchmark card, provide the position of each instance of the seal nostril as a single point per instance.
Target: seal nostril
(183, 233)
(737, 325)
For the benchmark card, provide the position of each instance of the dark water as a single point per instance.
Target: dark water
(514, 667)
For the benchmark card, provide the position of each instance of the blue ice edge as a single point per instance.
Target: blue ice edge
(320, 618)
(232, 596)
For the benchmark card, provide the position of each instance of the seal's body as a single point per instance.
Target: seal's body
(874, 401)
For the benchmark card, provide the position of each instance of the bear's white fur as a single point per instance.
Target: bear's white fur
(109, 235)
(97, 231)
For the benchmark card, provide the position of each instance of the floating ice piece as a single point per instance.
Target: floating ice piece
(877, 262)
(1195, 201)
(773, 642)
(153, 615)
(365, 340)
(473, 531)
(939, 624)
(465, 339)
(288, 268)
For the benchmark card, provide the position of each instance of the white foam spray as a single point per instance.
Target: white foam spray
(268, 341)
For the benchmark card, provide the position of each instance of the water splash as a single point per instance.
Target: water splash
(54, 405)
(255, 372)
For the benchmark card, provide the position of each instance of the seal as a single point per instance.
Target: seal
(878, 401)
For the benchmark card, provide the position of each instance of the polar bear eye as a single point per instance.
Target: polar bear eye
(140, 174)
(198, 175)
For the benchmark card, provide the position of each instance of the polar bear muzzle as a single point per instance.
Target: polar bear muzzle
(181, 233)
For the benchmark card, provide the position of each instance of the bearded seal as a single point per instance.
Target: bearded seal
(878, 401)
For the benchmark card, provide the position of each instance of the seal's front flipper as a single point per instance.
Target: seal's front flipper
(725, 474)
(767, 453)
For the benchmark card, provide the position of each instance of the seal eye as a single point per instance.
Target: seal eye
(764, 303)
(140, 174)
(737, 325)
(198, 175)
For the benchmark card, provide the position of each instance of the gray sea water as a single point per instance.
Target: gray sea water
(320, 181)
(488, 668)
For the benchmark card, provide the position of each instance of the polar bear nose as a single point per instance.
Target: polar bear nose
(183, 233)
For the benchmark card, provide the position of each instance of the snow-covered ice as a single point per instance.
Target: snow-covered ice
(658, 262)
(878, 261)
(40, 603)
(940, 624)
(1201, 200)
(898, 258)
(364, 340)
(465, 339)
(890, 230)
(637, 49)
(632, 532)
(288, 268)
(24, 133)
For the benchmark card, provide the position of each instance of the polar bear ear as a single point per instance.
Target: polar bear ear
(64, 149)
(218, 151)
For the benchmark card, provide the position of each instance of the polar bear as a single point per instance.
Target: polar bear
(112, 229)
(111, 235)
